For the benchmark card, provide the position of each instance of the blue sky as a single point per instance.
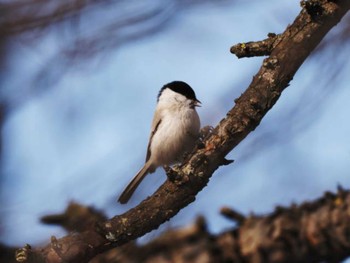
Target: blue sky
(85, 136)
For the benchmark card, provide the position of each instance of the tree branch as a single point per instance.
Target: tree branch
(315, 231)
(274, 76)
(22, 16)
(75, 218)
(257, 48)
(311, 232)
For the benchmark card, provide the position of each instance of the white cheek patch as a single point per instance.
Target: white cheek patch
(170, 97)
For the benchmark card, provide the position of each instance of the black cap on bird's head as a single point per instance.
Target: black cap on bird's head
(182, 88)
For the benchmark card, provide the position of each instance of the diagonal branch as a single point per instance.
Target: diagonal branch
(296, 43)
(315, 231)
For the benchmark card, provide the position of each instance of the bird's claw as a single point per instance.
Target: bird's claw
(205, 132)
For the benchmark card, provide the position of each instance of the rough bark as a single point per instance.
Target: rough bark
(316, 18)
(311, 232)
(256, 48)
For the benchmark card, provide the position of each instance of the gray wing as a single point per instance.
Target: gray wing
(155, 124)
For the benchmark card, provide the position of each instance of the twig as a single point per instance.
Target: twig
(233, 215)
(257, 48)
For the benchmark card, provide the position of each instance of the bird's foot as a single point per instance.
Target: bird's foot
(205, 132)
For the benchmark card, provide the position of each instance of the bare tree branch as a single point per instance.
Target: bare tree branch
(75, 218)
(23, 16)
(257, 48)
(299, 39)
(311, 232)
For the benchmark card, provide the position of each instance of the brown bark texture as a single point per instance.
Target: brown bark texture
(294, 45)
(314, 231)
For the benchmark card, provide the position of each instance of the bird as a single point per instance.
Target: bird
(174, 131)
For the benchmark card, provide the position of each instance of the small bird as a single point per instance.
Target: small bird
(175, 128)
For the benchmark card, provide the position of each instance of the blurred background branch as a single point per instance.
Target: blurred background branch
(120, 22)
(116, 22)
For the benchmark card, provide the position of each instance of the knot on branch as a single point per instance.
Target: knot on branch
(175, 175)
(22, 254)
(317, 8)
(270, 63)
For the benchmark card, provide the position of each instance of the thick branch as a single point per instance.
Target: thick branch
(274, 76)
(312, 232)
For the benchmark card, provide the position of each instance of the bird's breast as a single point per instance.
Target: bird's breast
(176, 134)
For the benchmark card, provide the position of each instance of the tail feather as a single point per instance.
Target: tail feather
(130, 189)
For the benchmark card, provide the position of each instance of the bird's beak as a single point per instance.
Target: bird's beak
(197, 103)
